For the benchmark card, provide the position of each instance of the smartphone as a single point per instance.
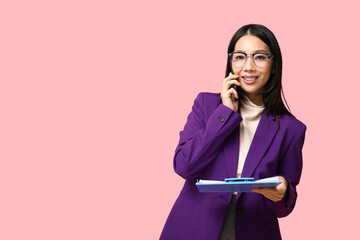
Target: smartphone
(234, 86)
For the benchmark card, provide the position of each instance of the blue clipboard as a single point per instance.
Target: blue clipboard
(236, 184)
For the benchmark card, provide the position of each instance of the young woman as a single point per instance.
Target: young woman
(246, 131)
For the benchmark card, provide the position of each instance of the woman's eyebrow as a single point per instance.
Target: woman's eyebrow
(262, 51)
(256, 51)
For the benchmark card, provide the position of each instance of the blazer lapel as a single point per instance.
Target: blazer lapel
(262, 139)
(231, 151)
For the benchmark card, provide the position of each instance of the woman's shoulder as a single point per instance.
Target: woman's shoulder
(289, 123)
(208, 98)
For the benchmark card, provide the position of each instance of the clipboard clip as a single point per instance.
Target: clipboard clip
(239, 179)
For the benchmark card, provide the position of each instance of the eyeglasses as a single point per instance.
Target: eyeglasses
(259, 59)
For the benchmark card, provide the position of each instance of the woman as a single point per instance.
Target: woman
(247, 132)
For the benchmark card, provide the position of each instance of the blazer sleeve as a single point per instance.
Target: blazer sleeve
(290, 168)
(203, 135)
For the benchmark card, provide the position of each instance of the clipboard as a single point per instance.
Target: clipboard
(236, 184)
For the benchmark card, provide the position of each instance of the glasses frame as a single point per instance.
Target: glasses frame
(252, 57)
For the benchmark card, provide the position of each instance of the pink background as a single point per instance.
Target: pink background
(89, 128)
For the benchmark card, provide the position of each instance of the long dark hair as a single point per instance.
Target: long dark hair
(273, 94)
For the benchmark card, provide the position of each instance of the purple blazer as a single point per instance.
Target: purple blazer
(209, 149)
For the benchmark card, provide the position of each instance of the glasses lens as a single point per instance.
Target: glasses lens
(238, 59)
(260, 59)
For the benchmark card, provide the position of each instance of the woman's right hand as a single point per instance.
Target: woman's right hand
(229, 95)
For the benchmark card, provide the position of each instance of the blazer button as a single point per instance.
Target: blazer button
(241, 212)
(222, 119)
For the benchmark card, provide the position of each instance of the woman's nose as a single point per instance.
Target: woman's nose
(249, 64)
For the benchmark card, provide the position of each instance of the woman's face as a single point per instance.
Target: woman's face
(251, 77)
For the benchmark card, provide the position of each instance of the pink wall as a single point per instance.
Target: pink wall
(89, 128)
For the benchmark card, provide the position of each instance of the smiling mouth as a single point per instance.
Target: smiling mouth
(249, 80)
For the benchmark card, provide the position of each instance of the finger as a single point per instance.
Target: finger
(269, 190)
(236, 96)
(233, 87)
(232, 93)
(229, 83)
(230, 77)
(258, 190)
(233, 81)
(264, 190)
(273, 196)
(266, 193)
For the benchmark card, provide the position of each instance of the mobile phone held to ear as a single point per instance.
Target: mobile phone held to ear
(234, 86)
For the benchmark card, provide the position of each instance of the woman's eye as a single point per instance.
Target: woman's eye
(239, 57)
(260, 57)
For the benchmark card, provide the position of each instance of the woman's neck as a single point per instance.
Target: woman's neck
(257, 99)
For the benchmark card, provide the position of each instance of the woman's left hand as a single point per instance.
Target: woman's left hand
(276, 194)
